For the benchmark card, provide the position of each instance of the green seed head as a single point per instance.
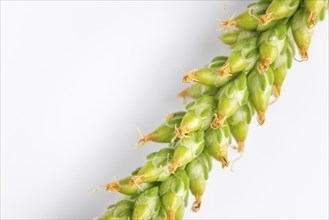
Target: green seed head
(239, 123)
(208, 75)
(197, 172)
(173, 192)
(123, 186)
(155, 168)
(314, 7)
(279, 9)
(187, 149)
(165, 132)
(301, 32)
(250, 20)
(197, 91)
(236, 35)
(217, 142)
(198, 116)
(244, 55)
(260, 88)
(271, 44)
(230, 98)
(147, 204)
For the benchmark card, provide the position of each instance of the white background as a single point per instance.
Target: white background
(77, 78)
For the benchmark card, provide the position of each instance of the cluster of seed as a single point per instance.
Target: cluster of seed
(227, 93)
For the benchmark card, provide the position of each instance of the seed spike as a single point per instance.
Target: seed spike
(197, 204)
(261, 117)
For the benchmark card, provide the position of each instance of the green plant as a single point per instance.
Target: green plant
(228, 92)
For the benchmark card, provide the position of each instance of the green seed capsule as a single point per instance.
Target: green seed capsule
(147, 205)
(217, 142)
(197, 171)
(198, 116)
(301, 32)
(260, 88)
(271, 44)
(279, 9)
(123, 186)
(186, 150)
(314, 7)
(230, 98)
(236, 35)
(250, 20)
(279, 68)
(243, 57)
(239, 123)
(155, 168)
(197, 91)
(208, 75)
(121, 210)
(173, 192)
(165, 132)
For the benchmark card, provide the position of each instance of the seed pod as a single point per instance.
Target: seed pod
(147, 204)
(165, 132)
(123, 186)
(217, 142)
(243, 57)
(155, 167)
(250, 20)
(271, 44)
(197, 171)
(260, 88)
(186, 150)
(122, 210)
(173, 192)
(301, 32)
(279, 9)
(230, 98)
(236, 35)
(198, 116)
(314, 7)
(208, 75)
(239, 123)
(279, 68)
(197, 91)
